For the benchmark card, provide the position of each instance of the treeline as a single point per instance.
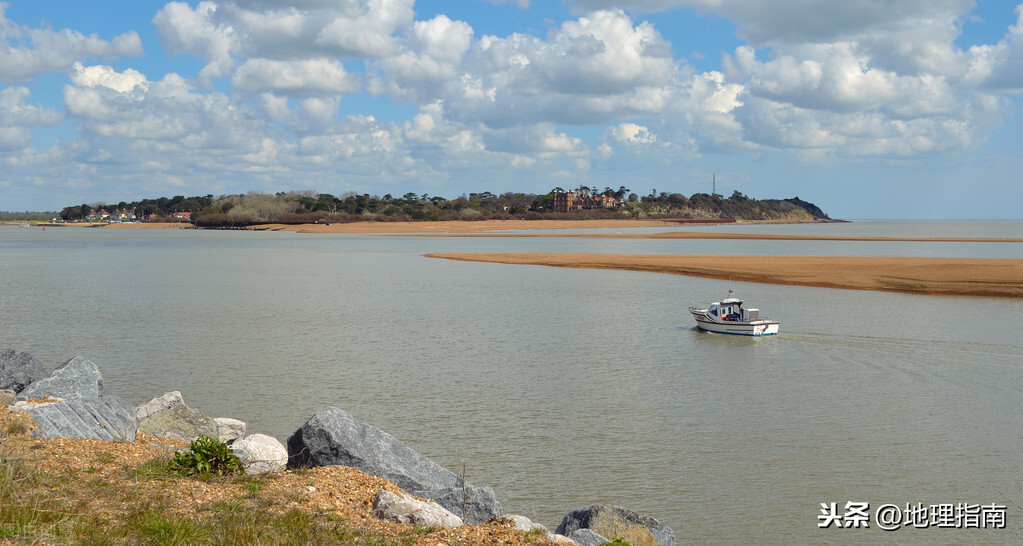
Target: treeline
(145, 209)
(308, 207)
(27, 216)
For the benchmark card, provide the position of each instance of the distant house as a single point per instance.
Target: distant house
(186, 216)
(570, 200)
(125, 214)
(98, 216)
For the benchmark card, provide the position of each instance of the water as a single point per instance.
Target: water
(558, 387)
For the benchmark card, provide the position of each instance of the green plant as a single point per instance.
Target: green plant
(157, 526)
(253, 486)
(618, 542)
(207, 456)
(153, 469)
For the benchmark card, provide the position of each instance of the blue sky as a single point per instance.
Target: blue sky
(869, 109)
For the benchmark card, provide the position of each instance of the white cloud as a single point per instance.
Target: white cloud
(365, 28)
(222, 32)
(541, 139)
(427, 67)
(29, 51)
(17, 118)
(298, 78)
(630, 133)
(105, 76)
(1000, 66)
(199, 33)
(591, 70)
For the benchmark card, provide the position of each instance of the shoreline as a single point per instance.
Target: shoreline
(987, 277)
(498, 228)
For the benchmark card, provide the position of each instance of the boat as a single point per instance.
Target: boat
(728, 316)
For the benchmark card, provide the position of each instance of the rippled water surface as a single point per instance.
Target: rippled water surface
(558, 387)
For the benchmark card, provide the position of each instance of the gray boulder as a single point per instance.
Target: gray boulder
(105, 418)
(76, 379)
(586, 537)
(261, 454)
(401, 508)
(617, 522)
(179, 423)
(333, 437)
(18, 370)
(229, 430)
(165, 401)
(80, 409)
(6, 397)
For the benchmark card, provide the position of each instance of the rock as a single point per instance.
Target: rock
(163, 402)
(333, 437)
(261, 454)
(18, 370)
(76, 379)
(229, 430)
(105, 418)
(6, 397)
(167, 416)
(480, 502)
(617, 522)
(522, 523)
(586, 537)
(79, 409)
(401, 508)
(179, 423)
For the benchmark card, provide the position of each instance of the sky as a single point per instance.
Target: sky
(867, 108)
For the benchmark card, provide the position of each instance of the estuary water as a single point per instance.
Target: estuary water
(562, 388)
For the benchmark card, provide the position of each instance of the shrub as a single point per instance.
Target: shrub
(207, 456)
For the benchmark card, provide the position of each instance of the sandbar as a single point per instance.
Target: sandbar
(934, 276)
(499, 228)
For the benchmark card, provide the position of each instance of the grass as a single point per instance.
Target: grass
(30, 512)
(109, 497)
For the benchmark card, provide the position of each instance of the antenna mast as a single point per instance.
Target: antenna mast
(714, 187)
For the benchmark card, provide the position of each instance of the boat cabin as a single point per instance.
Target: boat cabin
(731, 310)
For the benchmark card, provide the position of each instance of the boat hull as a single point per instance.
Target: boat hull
(753, 328)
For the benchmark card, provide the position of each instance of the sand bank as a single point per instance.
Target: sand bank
(494, 228)
(937, 276)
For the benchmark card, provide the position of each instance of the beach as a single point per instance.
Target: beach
(933, 276)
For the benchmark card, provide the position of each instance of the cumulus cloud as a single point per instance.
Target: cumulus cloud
(105, 76)
(299, 78)
(428, 67)
(1000, 66)
(222, 32)
(17, 118)
(32, 51)
(630, 133)
(200, 33)
(590, 70)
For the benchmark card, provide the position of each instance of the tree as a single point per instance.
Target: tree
(71, 213)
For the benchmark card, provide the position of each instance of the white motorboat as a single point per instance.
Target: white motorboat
(728, 316)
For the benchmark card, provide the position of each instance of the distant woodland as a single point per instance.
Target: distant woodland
(306, 207)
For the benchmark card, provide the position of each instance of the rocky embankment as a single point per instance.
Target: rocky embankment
(70, 403)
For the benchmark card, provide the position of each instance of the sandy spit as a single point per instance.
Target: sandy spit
(494, 228)
(934, 276)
